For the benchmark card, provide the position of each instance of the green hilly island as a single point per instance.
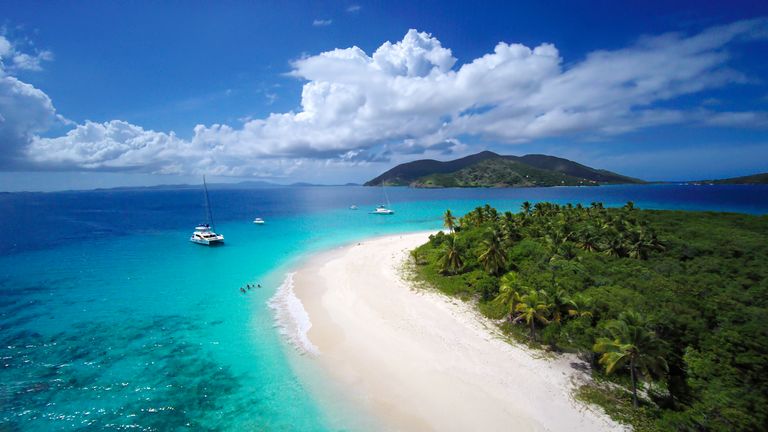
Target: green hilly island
(488, 169)
(750, 179)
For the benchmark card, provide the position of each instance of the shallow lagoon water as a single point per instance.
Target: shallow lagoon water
(111, 319)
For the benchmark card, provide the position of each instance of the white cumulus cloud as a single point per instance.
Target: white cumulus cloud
(24, 109)
(410, 97)
(12, 59)
(111, 145)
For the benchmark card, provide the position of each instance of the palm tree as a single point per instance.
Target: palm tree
(614, 245)
(493, 259)
(416, 256)
(631, 344)
(533, 307)
(556, 239)
(509, 228)
(451, 257)
(562, 305)
(636, 249)
(652, 240)
(526, 208)
(582, 306)
(588, 239)
(508, 296)
(479, 216)
(492, 213)
(449, 221)
(641, 241)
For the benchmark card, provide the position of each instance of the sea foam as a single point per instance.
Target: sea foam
(291, 317)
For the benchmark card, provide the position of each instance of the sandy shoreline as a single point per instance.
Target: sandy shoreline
(421, 361)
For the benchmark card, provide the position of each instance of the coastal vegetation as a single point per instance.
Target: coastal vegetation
(761, 178)
(488, 169)
(669, 307)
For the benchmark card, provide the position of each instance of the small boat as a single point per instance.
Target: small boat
(382, 210)
(353, 207)
(258, 221)
(205, 234)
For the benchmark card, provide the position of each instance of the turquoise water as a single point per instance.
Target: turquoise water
(111, 319)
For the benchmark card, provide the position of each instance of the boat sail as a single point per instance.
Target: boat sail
(205, 234)
(383, 209)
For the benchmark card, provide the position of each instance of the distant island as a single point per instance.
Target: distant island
(761, 178)
(488, 169)
(249, 184)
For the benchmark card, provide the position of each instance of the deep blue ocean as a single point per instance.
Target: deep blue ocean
(111, 319)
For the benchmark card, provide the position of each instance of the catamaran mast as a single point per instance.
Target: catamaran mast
(208, 206)
(385, 193)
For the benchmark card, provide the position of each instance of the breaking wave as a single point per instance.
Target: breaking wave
(291, 317)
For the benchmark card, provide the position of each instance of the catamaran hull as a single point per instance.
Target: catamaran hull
(212, 242)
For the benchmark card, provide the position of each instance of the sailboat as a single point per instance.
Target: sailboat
(382, 209)
(205, 234)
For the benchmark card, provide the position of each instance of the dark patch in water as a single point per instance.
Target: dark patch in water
(20, 307)
(8, 322)
(146, 375)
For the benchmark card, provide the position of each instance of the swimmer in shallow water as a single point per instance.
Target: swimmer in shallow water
(242, 290)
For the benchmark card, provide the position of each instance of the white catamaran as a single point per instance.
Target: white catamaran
(205, 234)
(382, 209)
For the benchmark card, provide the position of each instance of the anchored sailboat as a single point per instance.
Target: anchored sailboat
(205, 234)
(382, 209)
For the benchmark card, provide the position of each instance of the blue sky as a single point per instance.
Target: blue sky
(96, 94)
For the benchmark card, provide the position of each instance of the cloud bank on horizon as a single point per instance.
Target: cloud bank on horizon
(405, 98)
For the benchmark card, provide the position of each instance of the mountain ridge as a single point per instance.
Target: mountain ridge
(489, 169)
(759, 178)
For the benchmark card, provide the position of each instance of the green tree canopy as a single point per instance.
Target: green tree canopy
(631, 344)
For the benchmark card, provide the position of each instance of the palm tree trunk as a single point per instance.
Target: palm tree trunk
(634, 382)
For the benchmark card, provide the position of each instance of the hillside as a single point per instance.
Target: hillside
(404, 174)
(573, 169)
(761, 178)
(488, 169)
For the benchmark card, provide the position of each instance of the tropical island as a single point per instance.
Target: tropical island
(761, 178)
(488, 169)
(668, 307)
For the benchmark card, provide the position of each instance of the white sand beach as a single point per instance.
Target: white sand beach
(422, 361)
